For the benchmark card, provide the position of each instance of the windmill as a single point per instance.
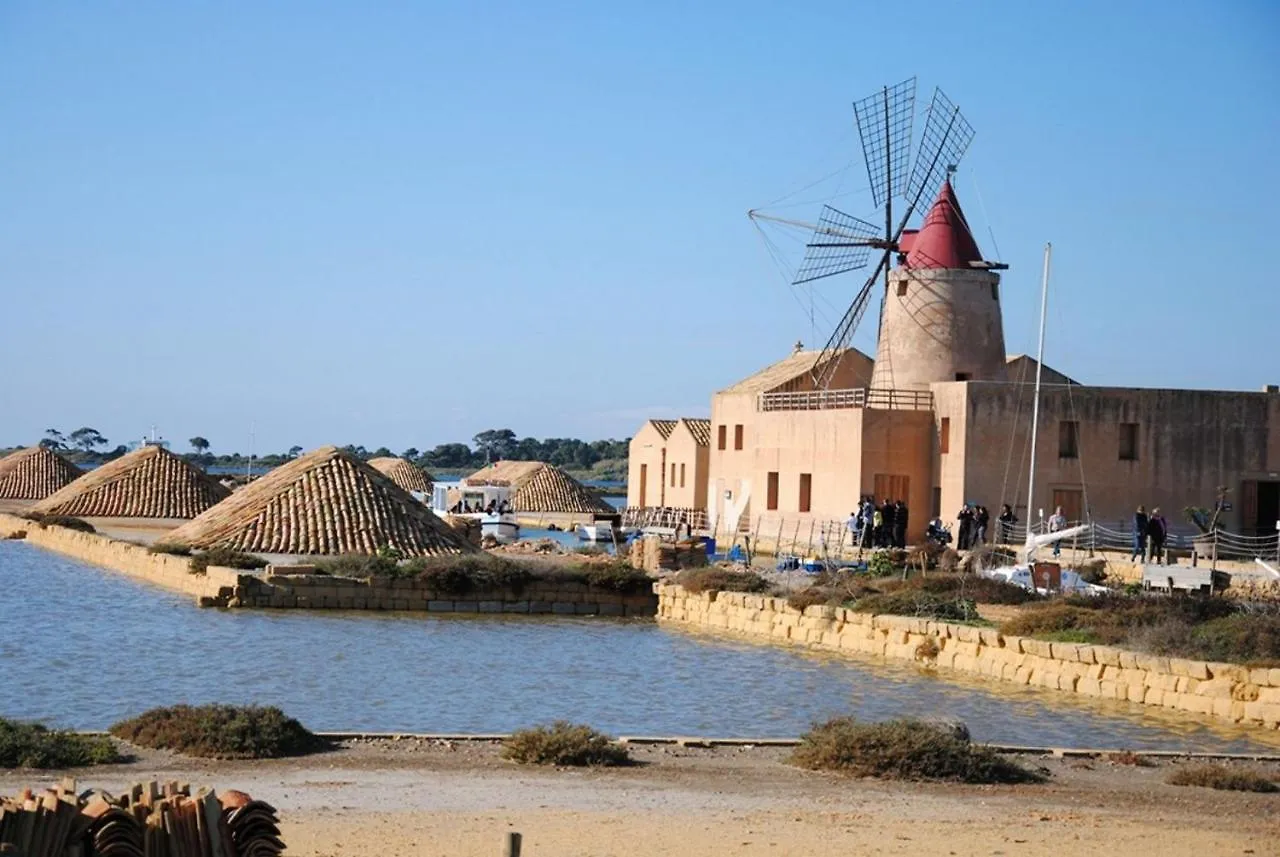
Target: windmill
(840, 242)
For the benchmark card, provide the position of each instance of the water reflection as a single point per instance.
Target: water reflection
(84, 647)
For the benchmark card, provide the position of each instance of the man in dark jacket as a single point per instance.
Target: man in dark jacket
(1157, 531)
(899, 524)
(1139, 534)
(887, 518)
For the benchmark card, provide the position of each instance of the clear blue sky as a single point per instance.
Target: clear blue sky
(402, 223)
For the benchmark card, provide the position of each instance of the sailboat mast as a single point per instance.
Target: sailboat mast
(1035, 407)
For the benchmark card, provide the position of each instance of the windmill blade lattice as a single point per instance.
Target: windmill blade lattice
(946, 137)
(884, 125)
(841, 242)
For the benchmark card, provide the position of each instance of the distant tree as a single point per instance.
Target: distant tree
(450, 455)
(199, 444)
(115, 453)
(495, 444)
(382, 452)
(357, 451)
(411, 454)
(87, 438)
(295, 451)
(53, 439)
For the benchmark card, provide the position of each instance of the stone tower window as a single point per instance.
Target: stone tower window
(995, 291)
(1128, 441)
(902, 288)
(1068, 439)
(720, 433)
(944, 436)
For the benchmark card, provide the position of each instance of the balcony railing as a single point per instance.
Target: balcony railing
(857, 397)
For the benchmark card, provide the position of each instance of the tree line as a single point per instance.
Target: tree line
(87, 444)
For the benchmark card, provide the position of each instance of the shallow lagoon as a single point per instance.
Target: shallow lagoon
(83, 647)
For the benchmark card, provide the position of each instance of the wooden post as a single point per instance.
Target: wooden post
(777, 544)
(511, 848)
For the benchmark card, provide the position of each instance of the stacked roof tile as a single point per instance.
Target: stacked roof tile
(700, 429)
(34, 473)
(540, 487)
(325, 502)
(150, 482)
(404, 474)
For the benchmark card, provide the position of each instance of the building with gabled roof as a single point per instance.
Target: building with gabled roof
(326, 502)
(150, 482)
(667, 464)
(540, 487)
(34, 473)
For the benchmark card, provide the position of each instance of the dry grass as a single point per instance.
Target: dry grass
(32, 745)
(220, 732)
(1130, 758)
(564, 744)
(904, 750)
(225, 558)
(68, 521)
(1220, 777)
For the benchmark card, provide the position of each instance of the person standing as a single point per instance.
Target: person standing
(900, 524)
(853, 525)
(964, 523)
(877, 527)
(1157, 532)
(981, 520)
(1006, 520)
(1139, 534)
(886, 514)
(1057, 523)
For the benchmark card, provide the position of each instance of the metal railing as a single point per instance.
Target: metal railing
(856, 397)
(665, 517)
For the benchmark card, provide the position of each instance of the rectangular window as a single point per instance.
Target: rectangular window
(720, 434)
(995, 291)
(1068, 439)
(1128, 441)
(944, 436)
(806, 487)
(673, 474)
(937, 502)
(737, 437)
(682, 474)
(902, 288)
(963, 376)
(771, 492)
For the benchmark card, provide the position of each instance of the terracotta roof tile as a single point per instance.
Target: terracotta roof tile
(34, 473)
(403, 473)
(150, 482)
(540, 487)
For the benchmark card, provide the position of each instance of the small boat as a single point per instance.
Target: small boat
(486, 502)
(603, 528)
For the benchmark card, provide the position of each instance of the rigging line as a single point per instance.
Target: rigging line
(844, 169)
(978, 192)
(1008, 462)
(829, 199)
(1075, 417)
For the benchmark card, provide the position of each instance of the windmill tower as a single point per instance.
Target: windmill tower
(940, 313)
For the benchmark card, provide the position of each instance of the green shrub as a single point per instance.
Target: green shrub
(169, 549)
(477, 572)
(1208, 629)
(359, 566)
(220, 732)
(563, 743)
(68, 521)
(881, 564)
(1220, 777)
(226, 558)
(924, 605)
(32, 745)
(903, 750)
(619, 577)
(717, 579)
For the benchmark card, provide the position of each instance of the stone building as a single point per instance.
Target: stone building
(942, 417)
(667, 464)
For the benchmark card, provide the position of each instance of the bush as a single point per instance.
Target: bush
(983, 590)
(459, 575)
(32, 745)
(68, 521)
(359, 566)
(169, 549)
(717, 579)
(563, 743)
(620, 577)
(903, 750)
(1128, 757)
(220, 732)
(1220, 777)
(809, 597)
(1209, 629)
(924, 605)
(881, 564)
(226, 558)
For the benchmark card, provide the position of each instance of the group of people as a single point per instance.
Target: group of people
(493, 508)
(972, 524)
(1149, 534)
(880, 526)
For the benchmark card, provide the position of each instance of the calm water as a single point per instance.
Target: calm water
(83, 647)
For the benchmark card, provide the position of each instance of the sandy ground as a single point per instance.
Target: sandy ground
(415, 797)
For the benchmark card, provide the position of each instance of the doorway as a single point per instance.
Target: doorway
(1260, 508)
(644, 484)
(1072, 502)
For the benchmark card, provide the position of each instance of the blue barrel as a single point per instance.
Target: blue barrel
(711, 545)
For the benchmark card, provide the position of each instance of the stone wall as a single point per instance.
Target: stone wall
(1224, 691)
(564, 598)
(171, 572)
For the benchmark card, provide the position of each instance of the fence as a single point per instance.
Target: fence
(857, 397)
(664, 517)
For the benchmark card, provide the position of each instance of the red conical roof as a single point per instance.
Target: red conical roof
(944, 239)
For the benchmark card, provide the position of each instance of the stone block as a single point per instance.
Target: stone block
(562, 608)
(1106, 655)
(612, 610)
(990, 637)
(1136, 693)
(585, 609)
(545, 607)
(489, 606)
(1089, 686)
(1154, 663)
(1063, 651)
(359, 602)
(346, 602)
(440, 606)
(1128, 660)
(1188, 668)
(1039, 648)
(1260, 677)
(303, 602)
(401, 604)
